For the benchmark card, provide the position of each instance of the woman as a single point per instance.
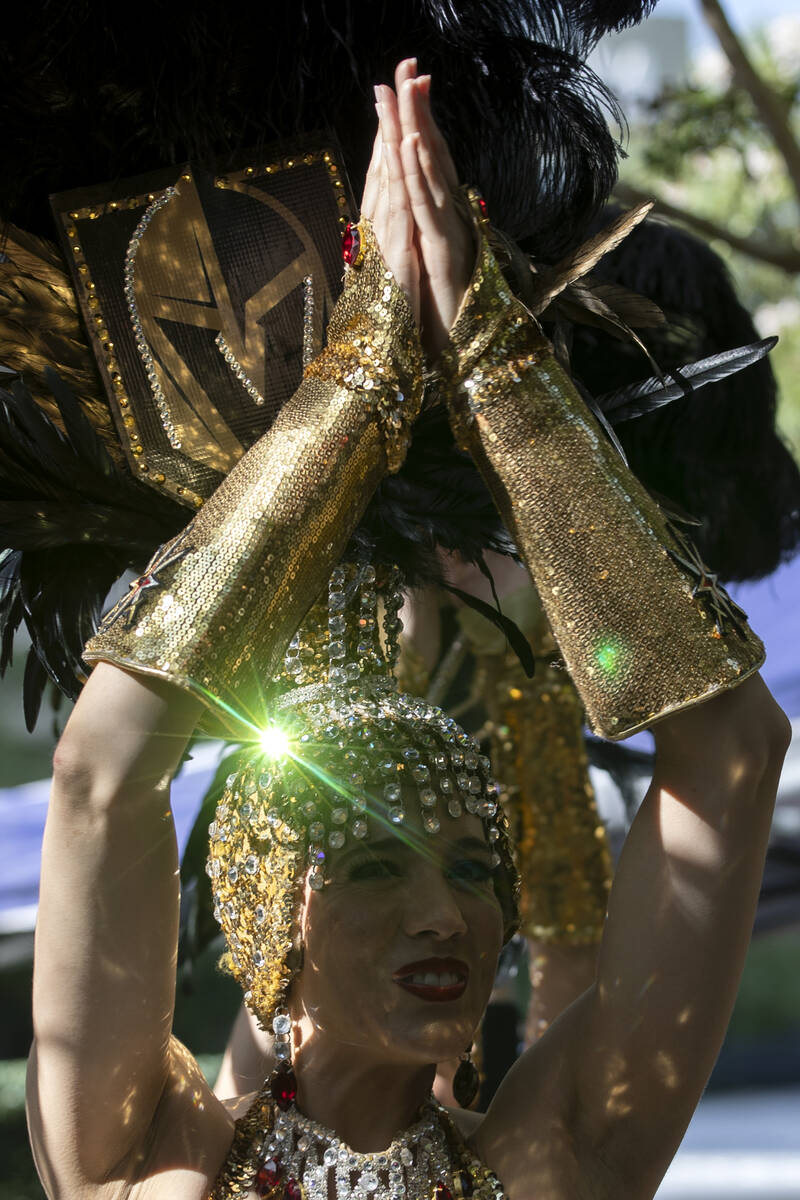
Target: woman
(387, 960)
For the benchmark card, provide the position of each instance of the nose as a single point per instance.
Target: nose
(431, 906)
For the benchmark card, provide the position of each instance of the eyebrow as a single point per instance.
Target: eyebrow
(400, 843)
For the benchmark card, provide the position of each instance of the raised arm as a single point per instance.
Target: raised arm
(111, 1098)
(599, 1106)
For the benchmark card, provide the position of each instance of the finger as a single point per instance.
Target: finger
(389, 117)
(425, 213)
(407, 69)
(401, 221)
(434, 133)
(434, 147)
(372, 181)
(427, 152)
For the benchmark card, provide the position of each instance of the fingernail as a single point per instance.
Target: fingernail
(377, 92)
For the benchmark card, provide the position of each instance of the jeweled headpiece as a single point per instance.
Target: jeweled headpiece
(347, 750)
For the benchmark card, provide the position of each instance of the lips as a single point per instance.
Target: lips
(434, 979)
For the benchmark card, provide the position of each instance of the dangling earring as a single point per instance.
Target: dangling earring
(466, 1080)
(283, 1084)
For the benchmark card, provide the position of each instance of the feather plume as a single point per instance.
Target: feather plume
(652, 393)
(40, 326)
(549, 282)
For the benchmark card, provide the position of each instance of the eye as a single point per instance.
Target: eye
(470, 870)
(373, 868)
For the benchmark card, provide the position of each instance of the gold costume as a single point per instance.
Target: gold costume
(217, 610)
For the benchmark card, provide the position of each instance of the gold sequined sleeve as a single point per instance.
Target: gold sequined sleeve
(217, 606)
(644, 628)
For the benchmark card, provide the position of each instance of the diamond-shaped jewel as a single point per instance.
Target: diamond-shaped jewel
(454, 807)
(392, 793)
(397, 815)
(359, 828)
(431, 823)
(336, 839)
(427, 797)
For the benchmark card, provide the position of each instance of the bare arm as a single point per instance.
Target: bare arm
(106, 936)
(620, 1074)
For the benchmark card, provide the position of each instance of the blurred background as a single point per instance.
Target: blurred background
(712, 95)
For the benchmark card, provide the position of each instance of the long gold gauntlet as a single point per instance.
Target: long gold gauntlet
(217, 606)
(643, 627)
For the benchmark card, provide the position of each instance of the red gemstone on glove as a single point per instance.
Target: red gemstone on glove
(442, 1192)
(293, 1190)
(351, 244)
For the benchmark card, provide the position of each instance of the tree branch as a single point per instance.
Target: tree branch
(768, 105)
(785, 259)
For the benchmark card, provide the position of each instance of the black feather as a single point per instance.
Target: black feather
(719, 455)
(640, 398)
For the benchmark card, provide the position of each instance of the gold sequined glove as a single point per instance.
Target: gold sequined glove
(217, 606)
(643, 627)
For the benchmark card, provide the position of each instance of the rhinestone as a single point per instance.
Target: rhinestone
(474, 784)
(251, 864)
(454, 807)
(410, 754)
(336, 602)
(445, 785)
(261, 914)
(487, 808)
(352, 671)
(316, 881)
(359, 829)
(457, 758)
(427, 797)
(336, 839)
(233, 874)
(392, 793)
(281, 1024)
(386, 765)
(440, 762)
(339, 816)
(329, 1157)
(316, 832)
(336, 650)
(369, 1181)
(463, 782)
(420, 773)
(258, 959)
(337, 676)
(406, 1157)
(430, 823)
(396, 815)
(303, 1142)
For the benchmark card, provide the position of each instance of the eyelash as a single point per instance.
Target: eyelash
(465, 870)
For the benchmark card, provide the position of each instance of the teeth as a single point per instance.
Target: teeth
(429, 979)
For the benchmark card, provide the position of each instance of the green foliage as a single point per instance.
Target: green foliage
(703, 148)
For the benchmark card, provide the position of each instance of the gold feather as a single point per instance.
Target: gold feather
(549, 282)
(40, 326)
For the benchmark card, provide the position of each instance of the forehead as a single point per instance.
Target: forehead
(457, 834)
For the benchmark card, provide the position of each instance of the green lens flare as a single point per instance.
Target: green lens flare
(274, 741)
(608, 657)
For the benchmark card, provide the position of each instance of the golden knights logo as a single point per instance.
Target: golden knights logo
(205, 296)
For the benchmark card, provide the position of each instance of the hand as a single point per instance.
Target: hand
(385, 201)
(446, 244)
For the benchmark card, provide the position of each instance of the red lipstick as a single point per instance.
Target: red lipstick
(434, 979)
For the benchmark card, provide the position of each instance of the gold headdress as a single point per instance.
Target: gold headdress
(347, 750)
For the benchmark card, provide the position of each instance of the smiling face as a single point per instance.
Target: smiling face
(401, 944)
